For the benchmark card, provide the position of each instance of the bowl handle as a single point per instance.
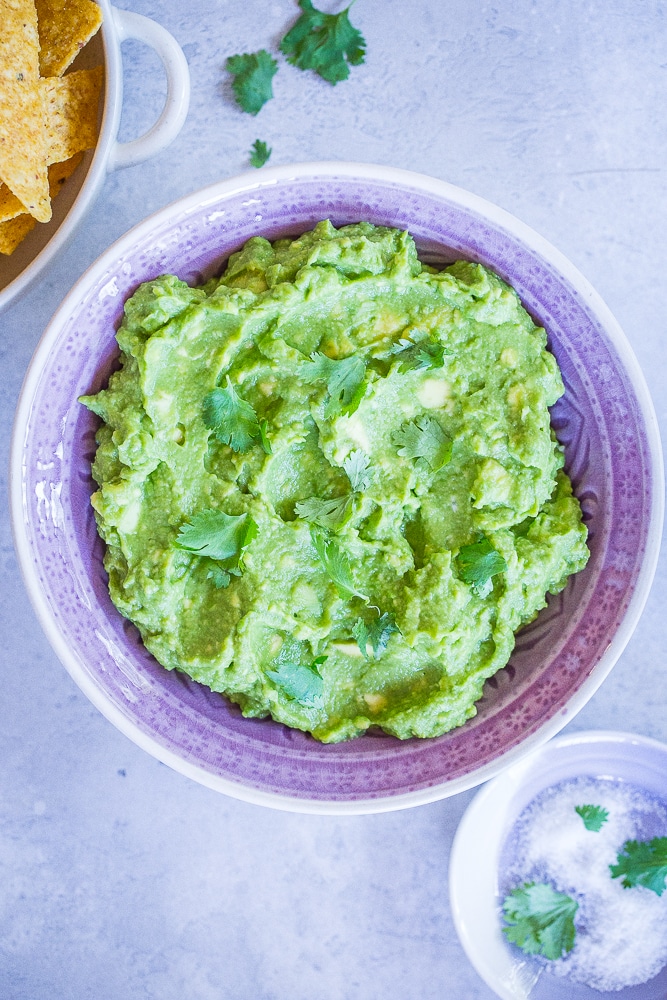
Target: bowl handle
(131, 25)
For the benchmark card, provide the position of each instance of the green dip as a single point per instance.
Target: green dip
(328, 484)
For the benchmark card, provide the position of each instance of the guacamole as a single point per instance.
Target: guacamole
(328, 484)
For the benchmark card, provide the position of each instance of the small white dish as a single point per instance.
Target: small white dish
(46, 240)
(481, 835)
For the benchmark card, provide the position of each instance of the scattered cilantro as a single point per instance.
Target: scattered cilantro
(344, 381)
(419, 356)
(330, 514)
(643, 862)
(259, 153)
(376, 635)
(336, 562)
(541, 920)
(424, 438)
(222, 538)
(594, 817)
(302, 683)
(478, 564)
(233, 420)
(253, 73)
(327, 43)
(357, 468)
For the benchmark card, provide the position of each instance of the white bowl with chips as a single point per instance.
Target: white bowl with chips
(46, 240)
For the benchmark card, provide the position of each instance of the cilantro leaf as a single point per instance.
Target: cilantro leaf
(356, 466)
(330, 514)
(335, 512)
(253, 73)
(327, 43)
(541, 920)
(259, 153)
(419, 356)
(478, 564)
(344, 381)
(233, 420)
(336, 562)
(424, 438)
(376, 635)
(643, 862)
(303, 684)
(221, 537)
(594, 817)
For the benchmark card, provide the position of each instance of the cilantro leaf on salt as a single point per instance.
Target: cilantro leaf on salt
(336, 562)
(253, 73)
(222, 537)
(643, 862)
(376, 635)
(540, 920)
(344, 381)
(424, 438)
(327, 43)
(259, 153)
(302, 683)
(478, 564)
(594, 817)
(233, 420)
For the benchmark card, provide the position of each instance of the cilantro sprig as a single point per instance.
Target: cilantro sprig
(233, 420)
(540, 920)
(642, 863)
(344, 379)
(220, 537)
(326, 43)
(253, 74)
(336, 562)
(424, 438)
(419, 355)
(333, 513)
(375, 634)
(478, 563)
(302, 683)
(594, 817)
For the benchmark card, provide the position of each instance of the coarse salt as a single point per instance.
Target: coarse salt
(621, 933)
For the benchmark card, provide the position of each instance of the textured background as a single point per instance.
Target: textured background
(120, 878)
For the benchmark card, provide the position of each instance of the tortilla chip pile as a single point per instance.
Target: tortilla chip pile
(47, 120)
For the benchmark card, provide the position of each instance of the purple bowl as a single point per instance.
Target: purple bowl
(605, 420)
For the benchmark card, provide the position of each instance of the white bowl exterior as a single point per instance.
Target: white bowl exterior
(481, 834)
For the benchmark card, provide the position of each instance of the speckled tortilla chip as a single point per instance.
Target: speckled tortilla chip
(64, 28)
(14, 231)
(23, 141)
(70, 104)
(14, 228)
(10, 206)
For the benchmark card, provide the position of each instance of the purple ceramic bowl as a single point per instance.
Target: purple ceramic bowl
(605, 420)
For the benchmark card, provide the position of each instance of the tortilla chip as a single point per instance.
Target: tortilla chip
(10, 206)
(12, 235)
(64, 28)
(70, 104)
(23, 142)
(14, 231)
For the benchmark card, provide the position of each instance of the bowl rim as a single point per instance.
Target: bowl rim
(272, 176)
(509, 980)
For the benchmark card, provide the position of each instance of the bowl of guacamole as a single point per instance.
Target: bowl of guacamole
(336, 489)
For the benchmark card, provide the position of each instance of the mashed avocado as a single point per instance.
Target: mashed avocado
(328, 484)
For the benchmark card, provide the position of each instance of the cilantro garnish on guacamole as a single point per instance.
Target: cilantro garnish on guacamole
(328, 484)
